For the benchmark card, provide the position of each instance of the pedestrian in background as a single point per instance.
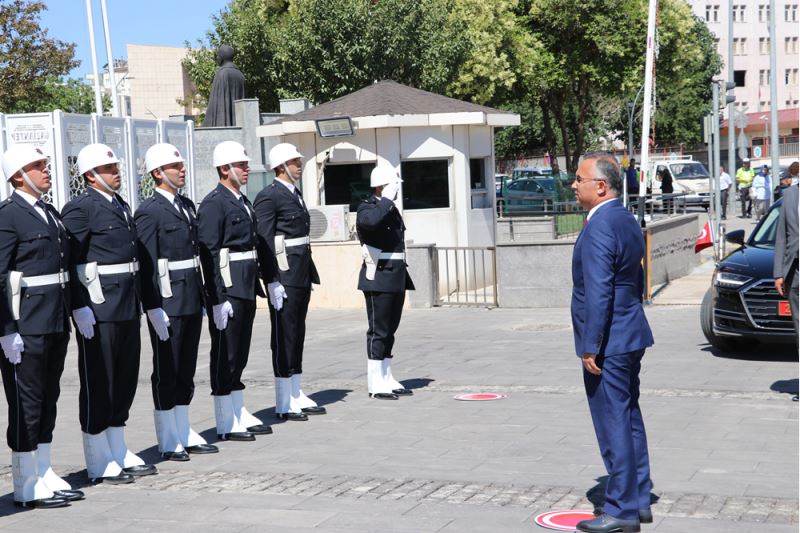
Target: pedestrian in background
(725, 184)
(744, 179)
(762, 191)
(611, 334)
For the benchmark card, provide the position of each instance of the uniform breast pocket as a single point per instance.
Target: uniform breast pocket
(112, 235)
(34, 244)
(176, 234)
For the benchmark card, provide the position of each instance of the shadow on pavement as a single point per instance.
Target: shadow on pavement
(417, 383)
(786, 386)
(597, 495)
(759, 352)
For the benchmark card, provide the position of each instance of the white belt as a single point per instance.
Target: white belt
(399, 256)
(244, 256)
(300, 241)
(119, 268)
(46, 279)
(194, 262)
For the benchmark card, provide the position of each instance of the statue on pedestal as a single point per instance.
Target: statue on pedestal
(228, 85)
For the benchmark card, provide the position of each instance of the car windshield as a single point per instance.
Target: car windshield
(548, 184)
(764, 235)
(689, 171)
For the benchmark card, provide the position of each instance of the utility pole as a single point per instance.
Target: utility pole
(731, 111)
(774, 148)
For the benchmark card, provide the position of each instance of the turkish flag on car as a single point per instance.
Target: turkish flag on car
(705, 239)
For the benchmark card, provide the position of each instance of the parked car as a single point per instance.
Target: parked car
(742, 306)
(499, 181)
(527, 195)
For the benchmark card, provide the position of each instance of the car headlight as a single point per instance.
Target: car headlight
(730, 280)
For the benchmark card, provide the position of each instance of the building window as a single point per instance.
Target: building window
(791, 103)
(763, 77)
(712, 13)
(738, 12)
(347, 184)
(741, 105)
(790, 45)
(790, 12)
(763, 45)
(739, 46)
(763, 13)
(763, 105)
(739, 77)
(426, 184)
(477, 173)
(790, 76)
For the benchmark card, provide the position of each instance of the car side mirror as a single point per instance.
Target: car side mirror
(735, 236)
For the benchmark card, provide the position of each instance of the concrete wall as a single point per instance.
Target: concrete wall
(524, 229)
(534, 274)
(672, 248)
(157, 81)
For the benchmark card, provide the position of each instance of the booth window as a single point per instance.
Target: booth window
(347, 184)
(425, 184)
(477, 173)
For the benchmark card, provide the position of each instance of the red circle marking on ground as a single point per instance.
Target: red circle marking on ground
(562, 520)
(480, 397)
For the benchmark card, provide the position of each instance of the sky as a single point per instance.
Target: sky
(151, 22)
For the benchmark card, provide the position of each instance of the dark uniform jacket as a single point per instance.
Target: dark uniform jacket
(30, 245)
(281, 213)
(223, 222)
(380, 225)
(101, 232)
(165, 233)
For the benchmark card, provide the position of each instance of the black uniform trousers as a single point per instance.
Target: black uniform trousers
(289, 332)
(32, 389)
(175, 361)
(230, 347)
(384, 310)
(108, 367)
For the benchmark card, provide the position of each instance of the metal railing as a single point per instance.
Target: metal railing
(465, 276)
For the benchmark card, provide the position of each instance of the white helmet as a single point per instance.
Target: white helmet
(383, 174)
(159, 155)
(95, 155)
(19, 156)
(281, 153)
(229, 152)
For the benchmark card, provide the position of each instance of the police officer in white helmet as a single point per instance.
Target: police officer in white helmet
(106, 309)
(383, 278)
(34, 271)
(283, 224)
(229, 252)
(172, 294)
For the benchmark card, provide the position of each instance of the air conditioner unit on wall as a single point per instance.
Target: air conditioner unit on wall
(329, 223)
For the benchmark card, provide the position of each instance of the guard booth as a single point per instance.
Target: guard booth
(62, 135)
(442, 148)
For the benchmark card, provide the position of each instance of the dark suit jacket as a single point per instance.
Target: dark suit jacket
(607, 278)
(379, 224)
(164, 233)
(30, 245)
(223, 222)
(786, 238)
(280, 213)
(102, 233)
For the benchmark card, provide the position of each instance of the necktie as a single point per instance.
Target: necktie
(40, 205)
(298, 196)
(180, 208)
(118, 205)
(244, 204)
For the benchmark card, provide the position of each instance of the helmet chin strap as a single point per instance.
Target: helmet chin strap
(291, 177)
(235, 175)
(29, 182)
(169, 181)
(102, 182)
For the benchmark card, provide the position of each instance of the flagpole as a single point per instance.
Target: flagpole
(98, 99)
(646, 105)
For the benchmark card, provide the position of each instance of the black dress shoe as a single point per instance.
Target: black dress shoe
(121, 479)
(608, 524)
(175, 456)
(241, 436)
(315, 410)
(141, 470)
(260, 429)
(200, 449)
(645, 516)
(70, 495)
(383, 396)
(296, 417)
(44, 503)
(403, 392)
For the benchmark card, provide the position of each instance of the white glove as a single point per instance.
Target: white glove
(84, 320)
(277, 294)
(391, 190)
(160, 321)
(13, 347)
(222, 312)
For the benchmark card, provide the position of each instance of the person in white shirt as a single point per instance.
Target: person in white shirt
(725, 184)
(763, 191)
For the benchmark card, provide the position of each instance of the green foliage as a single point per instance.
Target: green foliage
(70, 96)
(29, 60)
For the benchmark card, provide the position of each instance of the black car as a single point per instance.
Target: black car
(742, 307)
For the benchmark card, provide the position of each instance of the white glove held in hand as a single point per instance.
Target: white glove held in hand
(160, 321)
(222, 312)
(391, 190)
(84, 320)
(13, 347)
(277, 294)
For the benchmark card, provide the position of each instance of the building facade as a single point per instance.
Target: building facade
(158, 81)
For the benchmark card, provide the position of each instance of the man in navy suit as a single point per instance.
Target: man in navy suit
(611, 334)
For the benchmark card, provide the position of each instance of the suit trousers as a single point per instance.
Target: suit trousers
(175, 361)
(108, 367)
(230, 348)
(384, 310)
(614, 404)
(289, 332)
(32, 389)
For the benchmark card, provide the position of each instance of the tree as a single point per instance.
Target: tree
(29, 60)
(70, 96)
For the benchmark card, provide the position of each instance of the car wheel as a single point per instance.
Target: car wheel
(501, 207)
(707, 325)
